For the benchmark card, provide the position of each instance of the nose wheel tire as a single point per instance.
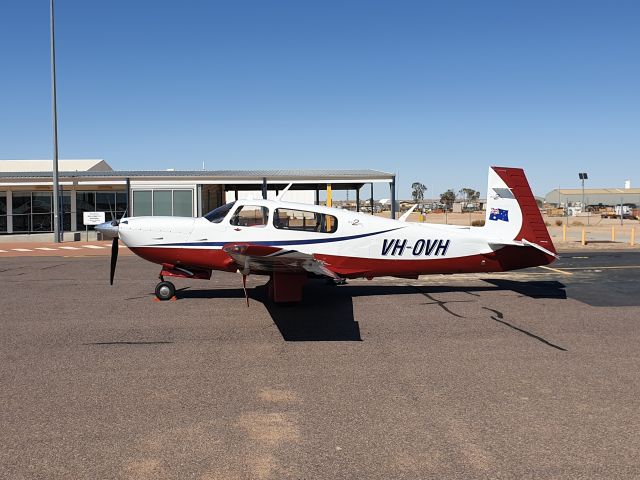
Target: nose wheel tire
(165, 291)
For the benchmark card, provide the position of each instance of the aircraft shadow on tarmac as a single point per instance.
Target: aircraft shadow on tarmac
(326, 314)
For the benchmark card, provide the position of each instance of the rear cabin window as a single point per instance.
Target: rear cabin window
(287, 219)
(250, 216)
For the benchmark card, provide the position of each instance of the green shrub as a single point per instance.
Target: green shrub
(558, 223)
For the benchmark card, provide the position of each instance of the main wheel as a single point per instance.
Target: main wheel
(165, 291)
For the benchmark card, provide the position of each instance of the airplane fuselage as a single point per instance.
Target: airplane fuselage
(362, 245)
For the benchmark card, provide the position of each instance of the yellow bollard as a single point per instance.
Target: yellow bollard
(564, 232)
(584, 236)
(613, 234)
(633, 236)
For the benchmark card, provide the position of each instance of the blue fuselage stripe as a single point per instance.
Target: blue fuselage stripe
(274, 242)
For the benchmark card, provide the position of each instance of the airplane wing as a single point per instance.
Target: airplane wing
(264, 258)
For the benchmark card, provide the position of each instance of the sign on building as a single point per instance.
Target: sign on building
(93, 218)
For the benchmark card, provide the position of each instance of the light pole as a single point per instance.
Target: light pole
(56, 184)
(583, 176)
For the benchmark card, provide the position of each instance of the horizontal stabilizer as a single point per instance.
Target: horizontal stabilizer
(406, 214)
(523, 243)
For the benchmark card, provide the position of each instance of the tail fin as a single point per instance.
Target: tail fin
(512, 212)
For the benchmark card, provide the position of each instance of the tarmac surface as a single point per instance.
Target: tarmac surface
(532, 374)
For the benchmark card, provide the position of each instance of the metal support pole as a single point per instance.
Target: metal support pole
(329, 195)
(54, 115)
(264, 188)
(621, 211)
(393, 197)
(357, 199)
(128, 187)
(9, 211)
(371, 198)
(199, 200)
(317, 196)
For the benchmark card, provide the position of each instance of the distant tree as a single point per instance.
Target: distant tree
(417, 191)
(468, 195)
(448, 197)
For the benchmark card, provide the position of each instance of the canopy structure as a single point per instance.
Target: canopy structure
(25, 194)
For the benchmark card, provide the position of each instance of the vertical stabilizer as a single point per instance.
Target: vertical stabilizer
(512, 212)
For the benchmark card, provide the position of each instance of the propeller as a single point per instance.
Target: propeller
(110, 230)
(114, 248)
(114, 259)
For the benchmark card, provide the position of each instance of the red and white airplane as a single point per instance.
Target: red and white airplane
(291, 242)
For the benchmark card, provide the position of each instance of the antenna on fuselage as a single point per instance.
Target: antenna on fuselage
(281, 194)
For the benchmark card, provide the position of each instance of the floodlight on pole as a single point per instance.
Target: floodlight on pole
(583, 176)
(54, 113)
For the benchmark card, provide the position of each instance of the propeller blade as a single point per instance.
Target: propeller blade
(114, 259)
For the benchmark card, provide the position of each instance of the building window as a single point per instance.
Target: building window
(170, 202)
(142, 203)
(3, 212)
(162, 203)
(33, 212)
(183, 203)
(111, 203)
(287, 219)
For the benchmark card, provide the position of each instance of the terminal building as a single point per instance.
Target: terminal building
(26, 186)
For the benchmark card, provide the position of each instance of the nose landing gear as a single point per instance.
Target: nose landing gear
(165, 290)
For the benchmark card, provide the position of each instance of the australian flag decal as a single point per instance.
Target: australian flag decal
(499, 214)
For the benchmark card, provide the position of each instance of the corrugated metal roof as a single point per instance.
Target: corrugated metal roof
(320, 175)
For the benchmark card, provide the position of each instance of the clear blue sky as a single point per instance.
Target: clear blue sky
(435, 91)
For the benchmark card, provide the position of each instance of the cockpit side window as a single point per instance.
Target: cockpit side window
(302, 220)
(250, 216)
(218, 214)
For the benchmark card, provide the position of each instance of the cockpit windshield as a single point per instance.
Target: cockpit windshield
(217, 215)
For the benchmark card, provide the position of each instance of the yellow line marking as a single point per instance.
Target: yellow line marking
(620, 267)
(557, 270)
